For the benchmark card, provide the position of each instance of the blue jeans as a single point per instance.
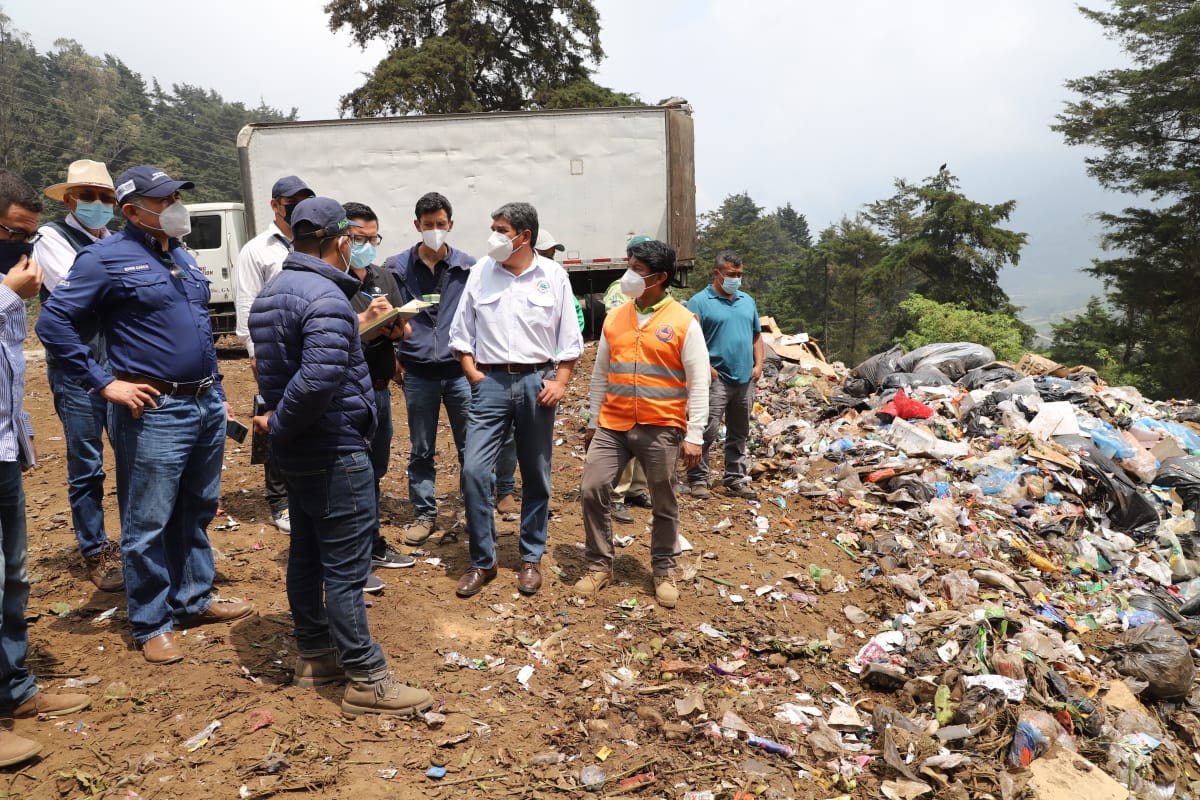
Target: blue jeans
(168, 486)
(506, 466)
(84, 418)
(332, 505)
(16, 684)
(498, 401)
(424, 398)
(381, 443)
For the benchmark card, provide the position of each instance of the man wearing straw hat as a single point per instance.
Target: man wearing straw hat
(90, 199)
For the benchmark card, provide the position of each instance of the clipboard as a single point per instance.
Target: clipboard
(403, 313)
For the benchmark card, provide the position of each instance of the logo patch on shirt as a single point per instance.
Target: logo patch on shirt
(664, 333)
(543, 286)
(137, 268)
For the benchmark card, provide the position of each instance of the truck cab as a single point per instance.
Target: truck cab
(218, 233)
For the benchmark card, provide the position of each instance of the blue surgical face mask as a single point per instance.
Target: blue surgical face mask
(362, 255)
(94, 215)
(731, 285)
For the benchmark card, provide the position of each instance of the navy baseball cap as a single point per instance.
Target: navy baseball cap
(290, 186)
(323, 213)
(148, 181)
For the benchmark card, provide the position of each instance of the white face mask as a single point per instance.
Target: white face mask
(434, 238)
(174, 219)
(500, 247)
(633, 285)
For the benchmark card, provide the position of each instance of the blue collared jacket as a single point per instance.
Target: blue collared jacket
(152, 308)
(429, 344)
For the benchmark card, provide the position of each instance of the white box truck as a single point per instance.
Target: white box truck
(596, 176)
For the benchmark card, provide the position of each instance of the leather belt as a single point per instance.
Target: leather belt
(514, 369)
(185, 389)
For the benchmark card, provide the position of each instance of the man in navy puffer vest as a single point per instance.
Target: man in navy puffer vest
(320, 417)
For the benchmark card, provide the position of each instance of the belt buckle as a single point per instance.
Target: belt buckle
(513, 369)
(204, 385)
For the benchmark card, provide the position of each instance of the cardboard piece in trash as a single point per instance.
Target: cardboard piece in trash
(795, 347)
(1063, 775)
(1055, 419)
(1033, 364)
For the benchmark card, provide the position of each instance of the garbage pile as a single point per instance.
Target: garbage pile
(1037, 531)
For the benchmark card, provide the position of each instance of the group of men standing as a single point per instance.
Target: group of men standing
(130, 352)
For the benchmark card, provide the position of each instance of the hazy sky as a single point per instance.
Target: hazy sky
(821, 104)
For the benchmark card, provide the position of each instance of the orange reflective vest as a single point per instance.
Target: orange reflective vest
(646, 380)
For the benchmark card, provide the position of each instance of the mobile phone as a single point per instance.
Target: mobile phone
(236, 431)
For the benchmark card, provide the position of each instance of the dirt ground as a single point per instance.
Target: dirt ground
(604, 690)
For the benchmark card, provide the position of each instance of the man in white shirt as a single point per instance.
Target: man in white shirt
(517, 339)
(261, 259)
(90, 199)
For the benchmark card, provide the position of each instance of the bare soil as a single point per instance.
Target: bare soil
(607, 674)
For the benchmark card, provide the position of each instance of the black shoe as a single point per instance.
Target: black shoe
(391, 559)
(639, 500)
(621, 514)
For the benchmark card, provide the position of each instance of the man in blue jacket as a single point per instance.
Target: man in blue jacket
(167, 411)
(435, 272)
(321, 417)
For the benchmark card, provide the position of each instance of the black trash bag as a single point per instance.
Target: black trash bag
(1054, 390)
(1132, 512)
(858, 387)
(1182, 473)
(873, 371)
(1188, 414)
(925, 376)
(919, 490)
(983, 419)
(1156, 654)
(981, 377)
(953, 359)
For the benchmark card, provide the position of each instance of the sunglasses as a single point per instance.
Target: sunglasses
(21, 236)
(92, 195)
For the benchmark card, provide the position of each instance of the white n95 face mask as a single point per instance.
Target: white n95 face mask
(633, 285)
(500, 247)
(434, 238)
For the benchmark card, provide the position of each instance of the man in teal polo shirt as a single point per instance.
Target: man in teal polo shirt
(729, 319)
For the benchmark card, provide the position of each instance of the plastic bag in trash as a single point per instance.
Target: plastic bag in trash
(1155, 653)
(1132, 512)
(988, 374)
(870, 373)
(1036, 731)
(904, 407)
(1182, 474)
(952, 359)
(925, 376)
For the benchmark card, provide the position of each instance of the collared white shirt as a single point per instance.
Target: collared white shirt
(55, 253)
(260, 259)
(522, 319)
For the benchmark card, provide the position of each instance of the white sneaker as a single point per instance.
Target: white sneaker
(282, 520)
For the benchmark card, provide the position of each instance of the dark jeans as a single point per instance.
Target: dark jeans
(276, 489)
(499, 401)
(84, 419)
(381, 456)
(168, 484)
(332, 505)
(16, 684)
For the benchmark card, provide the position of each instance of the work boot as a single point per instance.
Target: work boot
(591, 583)
(742, 490)
(317, 670)
(699, 490)
(665, 591)
(621, 514)
(15, 749)
(420, 531)
(104, 568)
(384, 696)
(48, 704)
(507, 504)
